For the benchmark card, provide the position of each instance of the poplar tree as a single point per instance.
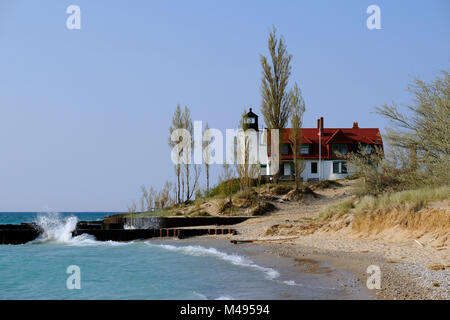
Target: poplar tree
(275, 105)
(177, 123)
(298, 109)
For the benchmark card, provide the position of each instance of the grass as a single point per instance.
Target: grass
(166, 212)
(412, 199)
(339, 208)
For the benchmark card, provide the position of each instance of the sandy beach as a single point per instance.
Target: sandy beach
(413, 265)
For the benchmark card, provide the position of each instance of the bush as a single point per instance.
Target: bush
(280, 189)
(325, 184)
(224, 206)
(220, 189)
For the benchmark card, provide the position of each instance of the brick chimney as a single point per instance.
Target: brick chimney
(355, 125)
(320, 124)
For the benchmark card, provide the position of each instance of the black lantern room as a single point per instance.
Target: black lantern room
(251, 121)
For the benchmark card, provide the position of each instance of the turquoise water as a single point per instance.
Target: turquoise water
(140, 269)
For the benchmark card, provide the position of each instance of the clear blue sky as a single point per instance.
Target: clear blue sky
(84, 114)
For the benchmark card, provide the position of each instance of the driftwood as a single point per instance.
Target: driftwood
(236, 241)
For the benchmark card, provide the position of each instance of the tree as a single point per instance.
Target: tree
(424, 132)
(275, 106)
(206, 157)
(185, 187)
(143, 198)
(177, 123)
(191, 181)
(298, 109)
(227, 179)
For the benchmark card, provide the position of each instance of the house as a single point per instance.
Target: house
(321, 149)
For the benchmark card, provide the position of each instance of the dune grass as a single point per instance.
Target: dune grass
(416, 199)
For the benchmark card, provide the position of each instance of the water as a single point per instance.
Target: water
(140, 269)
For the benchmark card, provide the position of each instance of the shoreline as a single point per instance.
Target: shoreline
(399, 280)
(309, 274)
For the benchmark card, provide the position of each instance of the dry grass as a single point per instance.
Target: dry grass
(406, 209)
(409, 201)
(340, 208)
(408, 218)
(325, 184)
(405, 199)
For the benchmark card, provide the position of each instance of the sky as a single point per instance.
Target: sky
(84, 114)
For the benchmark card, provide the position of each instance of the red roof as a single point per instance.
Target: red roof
(350, 136)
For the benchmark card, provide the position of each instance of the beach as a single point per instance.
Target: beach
(410, 268)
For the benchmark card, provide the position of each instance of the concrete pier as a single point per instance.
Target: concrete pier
(114, 231)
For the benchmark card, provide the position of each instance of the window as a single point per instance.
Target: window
(335, 167)
(263, 169)
(313, 167)
(339, 148)
(366, 148)
(250, 120)
(285, 149)
(339, 167)
(304, 149)
(287, 169)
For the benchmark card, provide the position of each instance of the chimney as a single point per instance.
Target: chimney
(318, 123)
(355, 125)
(321, 123)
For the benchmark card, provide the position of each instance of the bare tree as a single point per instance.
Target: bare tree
(177, 123)
(298, 109)
(194, 182)
(227, 179)
(187, 154)
(132, 208)
(424, 131)
(206, 156)
(144, 197)
(150, 200)
(275, 105)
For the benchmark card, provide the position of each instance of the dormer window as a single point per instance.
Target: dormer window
(304, 149)
(285, 149)
(366, 148)
(339, 149)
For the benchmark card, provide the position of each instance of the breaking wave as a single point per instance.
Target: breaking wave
(58, 229)
(212, 252)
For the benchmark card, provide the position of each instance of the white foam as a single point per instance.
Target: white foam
(225, 297)
(232, 258)
(56, 229)
(201, 296)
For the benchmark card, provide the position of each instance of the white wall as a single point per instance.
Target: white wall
(327, 171)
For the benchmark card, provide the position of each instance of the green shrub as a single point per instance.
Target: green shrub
(219, 190)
